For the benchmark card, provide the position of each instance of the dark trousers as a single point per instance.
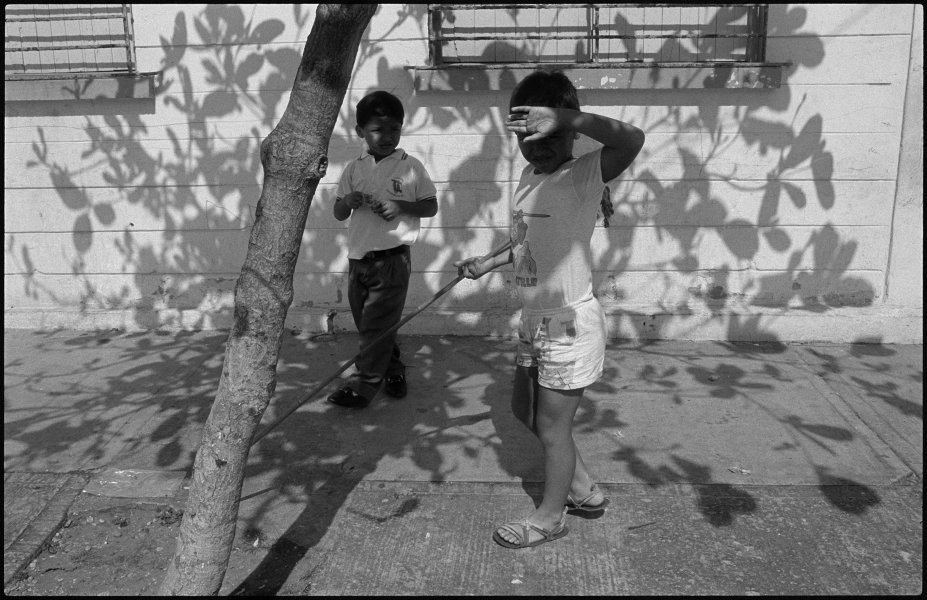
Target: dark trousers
(377, 288)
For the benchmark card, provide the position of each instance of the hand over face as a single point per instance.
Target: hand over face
(535, 122)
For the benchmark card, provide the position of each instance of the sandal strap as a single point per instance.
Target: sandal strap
(581, 503)
(524, 536)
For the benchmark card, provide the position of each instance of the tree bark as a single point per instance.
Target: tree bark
(294, 160)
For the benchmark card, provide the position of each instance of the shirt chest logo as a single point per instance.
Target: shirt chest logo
(397, 186)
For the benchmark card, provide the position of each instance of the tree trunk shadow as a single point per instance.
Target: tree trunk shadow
(305, 533)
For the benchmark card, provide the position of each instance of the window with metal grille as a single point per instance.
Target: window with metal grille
(596, 34)
(50, 41)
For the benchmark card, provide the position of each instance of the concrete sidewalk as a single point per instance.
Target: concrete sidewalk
(732, 468)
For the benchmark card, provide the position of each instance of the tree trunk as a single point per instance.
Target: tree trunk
(294, 160)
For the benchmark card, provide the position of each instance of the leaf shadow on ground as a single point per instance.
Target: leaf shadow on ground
(176, 383)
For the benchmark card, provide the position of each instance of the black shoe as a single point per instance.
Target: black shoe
(348, 398)
(395, 386)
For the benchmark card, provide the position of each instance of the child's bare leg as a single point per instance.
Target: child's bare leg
(582, 483)
(524, 406)
(554, 427)
(556, 409)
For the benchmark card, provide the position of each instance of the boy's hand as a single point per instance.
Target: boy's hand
(353, 200)
(471, 268)
(387, 209)
(536, 122)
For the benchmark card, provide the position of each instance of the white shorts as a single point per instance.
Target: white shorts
(567, 345)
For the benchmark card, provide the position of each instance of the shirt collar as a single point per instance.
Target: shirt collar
(397, 153)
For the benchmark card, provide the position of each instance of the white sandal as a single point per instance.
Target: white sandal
(523, 534)
(582, 505)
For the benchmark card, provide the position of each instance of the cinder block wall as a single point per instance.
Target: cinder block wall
(785, 214)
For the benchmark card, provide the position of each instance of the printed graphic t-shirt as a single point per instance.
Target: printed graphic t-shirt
(553, 216)
(398, 176)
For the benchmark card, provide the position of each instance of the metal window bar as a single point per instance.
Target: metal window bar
(443, 34)
(63, 40)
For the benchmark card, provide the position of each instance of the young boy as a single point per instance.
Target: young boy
(561, 346)
(385, 192)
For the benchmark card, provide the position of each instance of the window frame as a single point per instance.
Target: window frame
(82, 84)
(127, 36)
(754, 72)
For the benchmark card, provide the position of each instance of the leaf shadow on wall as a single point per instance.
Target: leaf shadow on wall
(201, 187)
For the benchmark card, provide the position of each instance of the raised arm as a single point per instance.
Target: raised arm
(621, 142)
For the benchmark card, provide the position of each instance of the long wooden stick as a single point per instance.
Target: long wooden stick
(350, 362)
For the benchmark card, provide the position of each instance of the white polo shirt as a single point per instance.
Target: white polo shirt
(396, 177)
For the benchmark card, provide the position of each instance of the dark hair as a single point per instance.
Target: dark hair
(379, 104)
(552, 89)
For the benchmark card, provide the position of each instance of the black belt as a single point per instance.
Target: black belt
(375, 254)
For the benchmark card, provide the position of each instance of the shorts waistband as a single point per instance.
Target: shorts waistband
(549, 312)
(375, 254)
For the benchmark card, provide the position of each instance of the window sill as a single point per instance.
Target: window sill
(81, 87)
(613, 76)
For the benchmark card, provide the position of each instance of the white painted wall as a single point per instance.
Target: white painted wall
(778, 214)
